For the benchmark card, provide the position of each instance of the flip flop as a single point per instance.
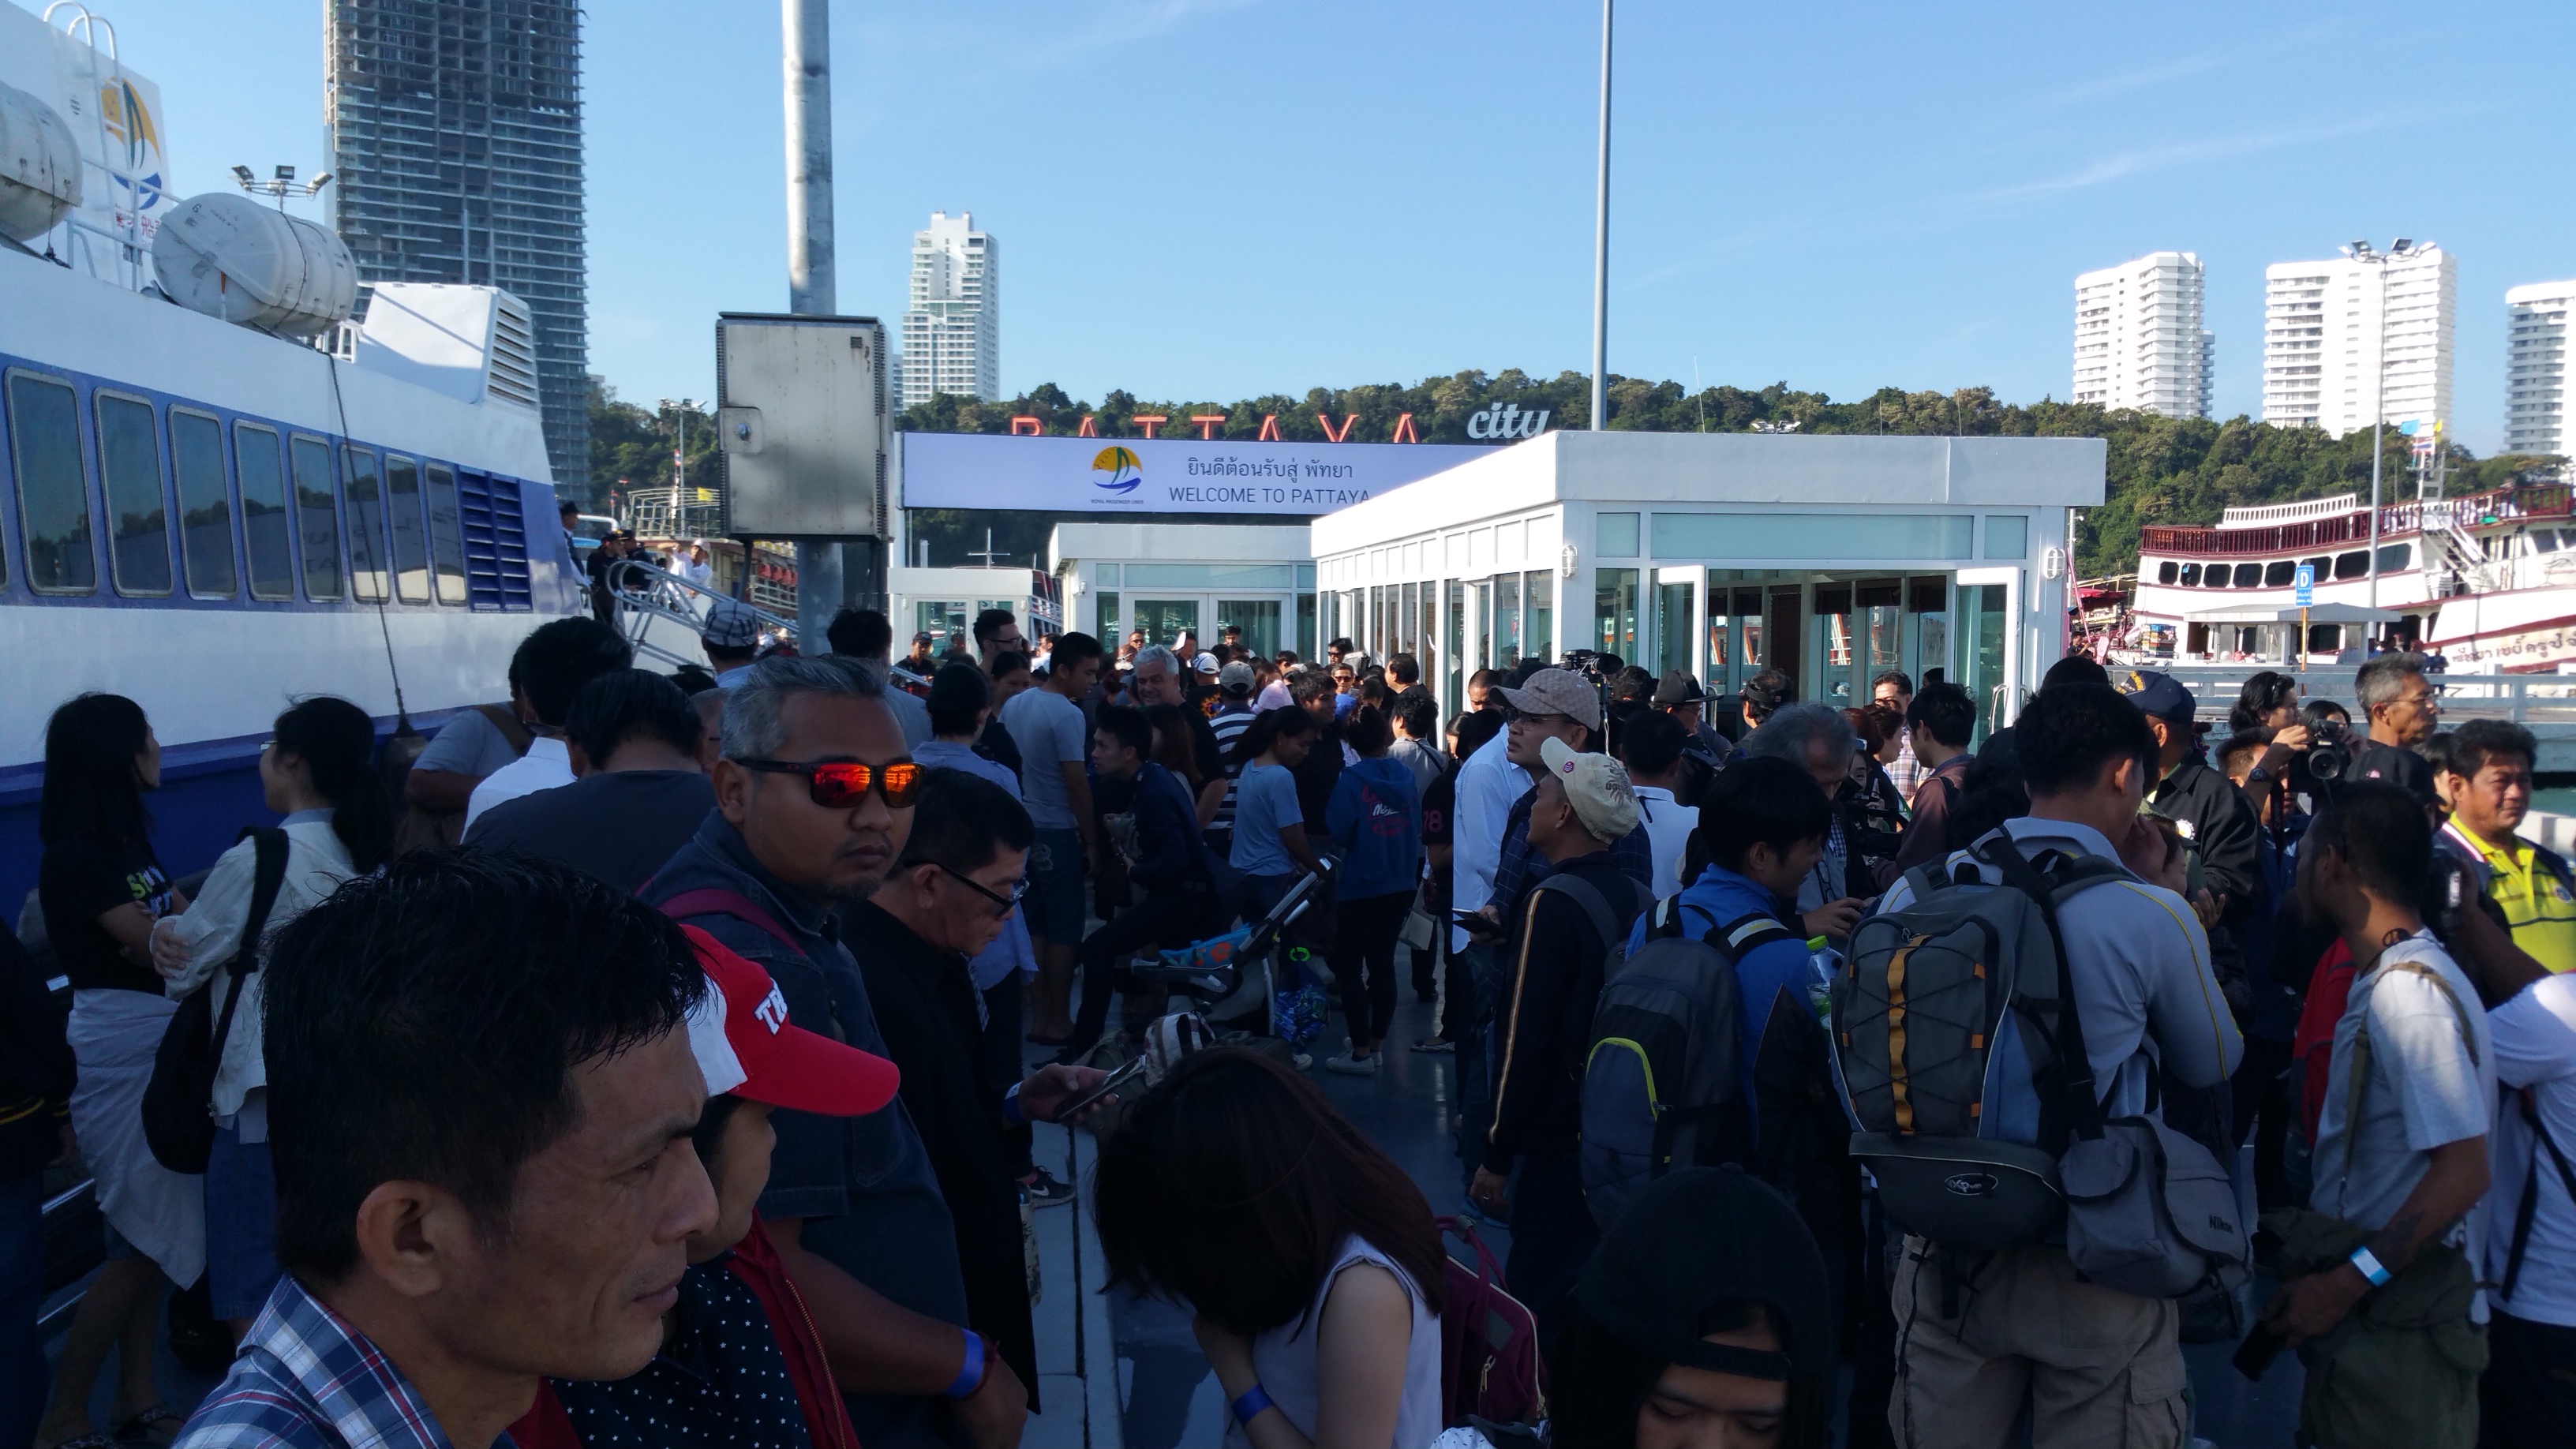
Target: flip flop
(147, 1427)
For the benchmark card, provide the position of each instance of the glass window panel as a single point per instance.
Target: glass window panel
(138, 526)
(411, 538)
(2279, 573)
(366, 503)
(53, 495)
(1109, 633)
(1817, 536)
(2007, 535)
(205, 504)
(2191, 576)
(2353, 565)
(265, 525)
(2393, 557)
(317, 516)
(1673, 627)
(1306, 626)
(446, 535)
(1258, 618)
(1507, 619)
(1165, 620)
(1618, 535)
(1282, 577)
(2167, 571)
(2249, 575)
(1614, 611)
(1538, 595)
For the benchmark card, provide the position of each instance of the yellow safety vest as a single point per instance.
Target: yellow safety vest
(2535, 900)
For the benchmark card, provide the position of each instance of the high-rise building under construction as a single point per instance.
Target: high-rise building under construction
(454, 128)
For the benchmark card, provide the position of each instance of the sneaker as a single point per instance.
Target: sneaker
(1045, 1190)
(1352, 1066)
(1435, 1044)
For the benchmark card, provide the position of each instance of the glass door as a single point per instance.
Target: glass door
(1164, 620)
(1257, 618)
(1927, 600)
(1675, 624)
(1454, 633)
(1834, 652)
(1507, 620)
(1985, 632)
(1882, 631)
(1538, 593)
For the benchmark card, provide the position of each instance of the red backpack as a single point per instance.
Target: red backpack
(2312, 1045)
(1489, 1363)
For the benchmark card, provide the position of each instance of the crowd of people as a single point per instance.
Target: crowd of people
(649, 1060)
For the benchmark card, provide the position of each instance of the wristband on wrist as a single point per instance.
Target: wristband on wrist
(1252, 1401)
(971, 1373)
(2369, 1264)
(1012, 1111)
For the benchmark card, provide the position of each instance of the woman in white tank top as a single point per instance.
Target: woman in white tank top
(1310, 1258)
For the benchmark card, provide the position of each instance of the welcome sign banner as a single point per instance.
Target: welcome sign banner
(1161, 475)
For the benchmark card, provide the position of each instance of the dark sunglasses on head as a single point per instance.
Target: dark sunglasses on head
(841, 785)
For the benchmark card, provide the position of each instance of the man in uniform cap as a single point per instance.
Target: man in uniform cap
(2211, 811)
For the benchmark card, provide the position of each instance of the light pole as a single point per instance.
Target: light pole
(1601, 246)
(2400, 250)
(281, 185)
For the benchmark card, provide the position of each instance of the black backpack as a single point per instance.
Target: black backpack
(178, 1103)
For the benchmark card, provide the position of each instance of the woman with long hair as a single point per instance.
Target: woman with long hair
(318, 772)
(1175, 744)
(1270, 845)
(1310, 1259)
(1377, 822)
(101, 889)
(1685, 1336)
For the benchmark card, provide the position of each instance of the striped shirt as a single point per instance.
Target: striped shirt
(306, 1379)
(1229, 722)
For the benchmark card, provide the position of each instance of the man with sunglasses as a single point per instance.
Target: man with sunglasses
(952, 889)
(815, 798)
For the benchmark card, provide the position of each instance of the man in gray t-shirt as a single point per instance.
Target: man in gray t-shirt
(1055, 743)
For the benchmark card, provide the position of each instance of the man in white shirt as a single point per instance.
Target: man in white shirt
(2530, 1380)
(697, 568)
(550, 667)
(2402, 1142)
(1650, 745)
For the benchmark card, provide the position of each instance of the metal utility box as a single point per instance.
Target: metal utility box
(801, 409)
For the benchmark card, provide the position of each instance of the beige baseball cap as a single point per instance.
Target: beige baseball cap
(1598, 785)
(1557, 691)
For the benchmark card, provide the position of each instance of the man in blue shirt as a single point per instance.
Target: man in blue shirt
(1172, 870)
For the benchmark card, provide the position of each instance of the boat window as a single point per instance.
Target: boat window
(318, 517)
(2249, 576)
(2279, 573)
(2214, 577)
(53, 501)
(446, 535)
(411, 543)
(2352, 565)
(366, 507)
(2190, 575)
(2321, 569)
(205, 504)
(2166, 571)
(138, 524)
(265, 527)
(2544, 540)
(2394, 557)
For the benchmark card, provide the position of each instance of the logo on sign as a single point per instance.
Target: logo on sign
(2305, 581)
(1116, 470)
(1506, 420)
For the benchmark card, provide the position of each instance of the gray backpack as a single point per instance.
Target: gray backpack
(1955, 1024)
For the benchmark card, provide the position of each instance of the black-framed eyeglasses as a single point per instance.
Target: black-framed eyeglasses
(843, 784)
(1002, 905)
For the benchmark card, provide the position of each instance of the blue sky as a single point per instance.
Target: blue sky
(1215, 198)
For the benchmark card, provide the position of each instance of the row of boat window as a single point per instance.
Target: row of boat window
(2281, 573)
(292, 501)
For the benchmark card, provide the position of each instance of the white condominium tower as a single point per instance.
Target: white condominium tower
(2329, 347)
(2138, 339)
(952, 328)
(2536, 404)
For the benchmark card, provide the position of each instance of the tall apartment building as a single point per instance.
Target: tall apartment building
(952, 328)
(2138, 342)
(2209, 374)
(454, 128)
(2536, 400)
(2330, 344)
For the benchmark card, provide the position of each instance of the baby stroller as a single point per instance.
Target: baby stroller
(1230, 979)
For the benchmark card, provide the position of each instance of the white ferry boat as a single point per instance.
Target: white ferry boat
(218, 514)
(2489, 580)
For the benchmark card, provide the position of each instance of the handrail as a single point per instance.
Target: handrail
(644, 593)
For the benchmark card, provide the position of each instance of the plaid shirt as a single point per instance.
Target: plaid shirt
(305, 1379)
(1907, 771)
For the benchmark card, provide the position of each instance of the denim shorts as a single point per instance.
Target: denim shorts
(241, 1225)
(1054, 899)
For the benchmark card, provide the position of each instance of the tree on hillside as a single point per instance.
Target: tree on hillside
(630, 447)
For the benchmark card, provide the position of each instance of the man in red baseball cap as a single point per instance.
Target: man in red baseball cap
(739, 1322)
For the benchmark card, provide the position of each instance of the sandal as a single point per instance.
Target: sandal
(147, 1427)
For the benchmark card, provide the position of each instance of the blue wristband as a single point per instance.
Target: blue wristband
(970, 1375)
(2369, 1264)
(1012, 1112)
(1250, 1405)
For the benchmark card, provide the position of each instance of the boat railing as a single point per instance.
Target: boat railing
(2528, 699)
(645, 594)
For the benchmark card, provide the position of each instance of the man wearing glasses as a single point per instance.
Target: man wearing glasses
(953, 888)
(816, 795)
(2404, 708)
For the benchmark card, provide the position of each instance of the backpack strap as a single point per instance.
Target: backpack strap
(715, 901)
(2075, 1064)
(1595, 906)
(2523, 1214)
(269, 847)
(2362, 1051)
(508, 724)
(1749, 933)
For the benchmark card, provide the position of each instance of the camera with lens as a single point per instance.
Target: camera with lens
(2331, 747)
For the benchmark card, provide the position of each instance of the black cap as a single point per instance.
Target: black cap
(1698, 1238)
(1678, 688)
(958, 688)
